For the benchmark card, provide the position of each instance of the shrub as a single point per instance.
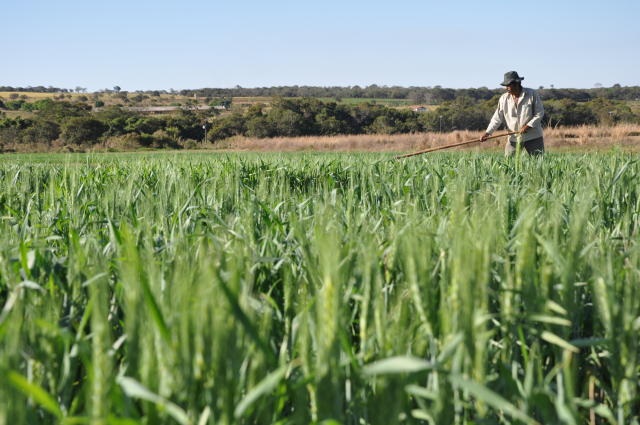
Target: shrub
(163, 139)
(41, 131)
(83, 130)
(127, 141)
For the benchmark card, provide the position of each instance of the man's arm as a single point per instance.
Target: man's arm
(496, 121)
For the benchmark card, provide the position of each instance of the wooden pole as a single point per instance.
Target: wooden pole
(437, 148)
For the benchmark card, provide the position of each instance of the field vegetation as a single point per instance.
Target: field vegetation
(453, 288)
(50, 120)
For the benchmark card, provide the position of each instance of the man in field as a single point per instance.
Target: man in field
(520, 110)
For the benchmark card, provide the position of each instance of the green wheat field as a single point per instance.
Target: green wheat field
(450, 288)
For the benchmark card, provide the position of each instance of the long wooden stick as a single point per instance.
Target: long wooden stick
(437, 148)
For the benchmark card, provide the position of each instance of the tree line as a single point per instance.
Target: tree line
(310, 117)
(416, 94)
(419, 95)
(76, 123)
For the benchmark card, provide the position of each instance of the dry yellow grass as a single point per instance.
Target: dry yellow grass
(624, 136)
(583, 138)
(28, 96)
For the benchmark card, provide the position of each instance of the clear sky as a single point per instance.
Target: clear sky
(190, 44)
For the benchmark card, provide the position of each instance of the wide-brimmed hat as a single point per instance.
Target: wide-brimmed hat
(511, 77)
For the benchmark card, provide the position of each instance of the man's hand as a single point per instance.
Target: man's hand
(524, 129)
(484, 137)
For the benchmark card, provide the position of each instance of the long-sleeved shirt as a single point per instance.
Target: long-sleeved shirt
(527, 110)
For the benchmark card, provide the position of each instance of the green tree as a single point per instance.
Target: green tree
(189, 124)
(260, 127)
(41, 131)
(8, 136)
(461, 114)
(83, 130)
(143, 125)
(364, 114)
(115, 118)
(286, 123)
(567, 112)
(60, 111)
(334, 119)
(228, 126)
(382, 125)
(14, 105)
(611, 112)
(220, 102)
(295, 117)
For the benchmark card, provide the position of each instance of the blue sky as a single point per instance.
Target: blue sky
(190, 44)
